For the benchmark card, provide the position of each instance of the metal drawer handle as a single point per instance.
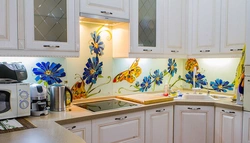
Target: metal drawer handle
(230, 112)
(204, 51)
(51, 46)
(121, 118)
(174, 51)
(147, 50)
(193, 108)
(160, 110)
(106, 12)
(233, 50)
(72, 128)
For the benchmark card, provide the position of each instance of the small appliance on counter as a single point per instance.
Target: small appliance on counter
(60, 97)
(39, 102)
(12, 72)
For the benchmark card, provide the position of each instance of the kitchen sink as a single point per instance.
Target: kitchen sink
(105, 105)
(197, 97)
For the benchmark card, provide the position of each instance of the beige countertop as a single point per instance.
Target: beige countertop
(49, 131)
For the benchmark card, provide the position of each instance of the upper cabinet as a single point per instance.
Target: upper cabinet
(247, 61)
(51, 26)
(146, 25)
(8, 27)
(107, 8)
(204, 26)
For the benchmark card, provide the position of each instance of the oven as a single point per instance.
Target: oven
(14, 100)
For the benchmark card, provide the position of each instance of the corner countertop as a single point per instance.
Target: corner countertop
(49, 127)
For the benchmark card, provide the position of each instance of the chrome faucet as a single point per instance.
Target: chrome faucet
(194, 88)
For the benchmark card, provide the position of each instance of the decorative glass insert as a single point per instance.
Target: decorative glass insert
(147, 23)
(50, 20)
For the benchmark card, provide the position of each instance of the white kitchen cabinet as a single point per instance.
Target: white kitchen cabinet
(81, 129)
(247, 61)
(204, 26)
(50, 27)
(228, 125)
(193, 124)
(8, 24)
(127, 128)
(107, 8)
(159, 125)
(246, 127)
(146, 26)
(233, 25)
(175, 26)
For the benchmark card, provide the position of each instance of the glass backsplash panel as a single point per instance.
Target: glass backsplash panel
(50, 20)
(147, 23)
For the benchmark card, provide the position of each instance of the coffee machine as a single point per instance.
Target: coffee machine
(39, 102)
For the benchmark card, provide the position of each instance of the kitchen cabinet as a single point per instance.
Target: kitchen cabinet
(127, 128)
(247, 61)
(107, 8)
(246, 127)
(193, 124)
(81, 129)
(8, 27)
(51, 27)
(146, 26)
(204, 26)
(175, 26)
(228, 125)
(159, 125)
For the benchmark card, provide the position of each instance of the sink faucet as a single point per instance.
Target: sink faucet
(194, 88)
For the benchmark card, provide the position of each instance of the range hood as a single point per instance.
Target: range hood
(98, 19)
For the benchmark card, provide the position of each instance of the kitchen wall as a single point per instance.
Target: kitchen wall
(127, 75)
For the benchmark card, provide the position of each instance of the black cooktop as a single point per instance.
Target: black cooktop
(105, 105)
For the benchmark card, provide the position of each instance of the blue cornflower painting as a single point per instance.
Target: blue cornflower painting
(221, 86)
(49, 73)
(158, 77)
(200, 80)
(146, 84)
(93, 70)
(97, 46)
(172, 67)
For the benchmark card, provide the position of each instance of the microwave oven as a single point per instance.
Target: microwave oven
(14, 100)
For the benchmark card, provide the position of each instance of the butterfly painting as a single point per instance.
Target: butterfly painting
(129, 75)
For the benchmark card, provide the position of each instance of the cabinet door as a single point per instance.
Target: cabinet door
(204, 26)
(126, 128)
(233, 25)
(175, 27)
(8, 24)
(228, 126)
(159, 125)
(146, 25)
(81, 129)
(194, 124)
(109, 8)
(51, 25)
(246, 127)
(247, 61)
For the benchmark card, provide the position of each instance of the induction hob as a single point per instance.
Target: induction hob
(105, 105)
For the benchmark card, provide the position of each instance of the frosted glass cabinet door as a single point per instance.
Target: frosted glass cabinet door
(50, 24)
(146, 25)
(8, 24)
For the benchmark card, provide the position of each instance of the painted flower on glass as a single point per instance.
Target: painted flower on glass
(221, 86)
(172, 67)
(49, 73)
(146, 84)
(96, 46)
(158, 77)
(199, 79)
(93, 70)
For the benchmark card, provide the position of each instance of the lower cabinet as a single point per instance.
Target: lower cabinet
(81, 129)
(159, 125)
(246, 127)
(228, 126)
(194, 124)
(123, 128)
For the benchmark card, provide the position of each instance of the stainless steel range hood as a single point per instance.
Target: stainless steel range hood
(98, 19)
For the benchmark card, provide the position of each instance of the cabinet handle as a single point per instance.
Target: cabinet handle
(51, 46)
(147, 50)
(235, 50)
(106, 12)
(174, 51)
(204, 51)
(121, 118)
(230, 112)
(160, 110)
(193, 108)
(72, 128)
